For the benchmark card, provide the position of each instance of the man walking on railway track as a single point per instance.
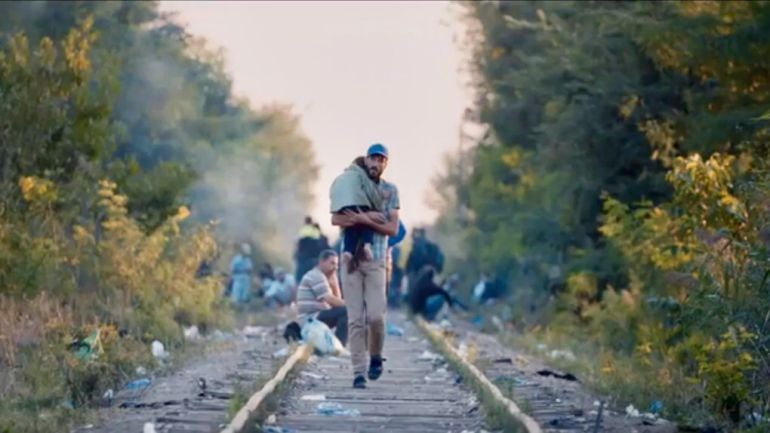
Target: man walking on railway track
(364, 287)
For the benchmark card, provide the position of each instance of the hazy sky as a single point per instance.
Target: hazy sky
(356, 73)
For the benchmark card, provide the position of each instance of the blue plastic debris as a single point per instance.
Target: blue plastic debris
(335, 409)
(276, 429)
(477, 321)
(394, 330)
(139, 383)
(656, 406)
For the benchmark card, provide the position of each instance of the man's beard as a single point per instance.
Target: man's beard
(373, 173)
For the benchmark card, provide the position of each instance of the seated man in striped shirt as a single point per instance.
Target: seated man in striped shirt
(319, 296)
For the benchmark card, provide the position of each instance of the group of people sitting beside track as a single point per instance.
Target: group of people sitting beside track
(276, 286)
(319, 295)
(244, 282)
(315, 290)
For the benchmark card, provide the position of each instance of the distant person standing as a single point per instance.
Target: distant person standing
(323, 241)
(240, 273)
(307, 249)
(424, 253)
(364, 286)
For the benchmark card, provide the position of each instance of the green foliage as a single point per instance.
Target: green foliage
(122, 146)
(179, 136)
(621, 188)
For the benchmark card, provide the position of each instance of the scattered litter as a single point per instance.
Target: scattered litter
(435, 379)
(158, 350)
(271, 419)
(632, 411)
(563, 354)
(138, 384)
(192, 333)
(148, 428)
(427, 355)
(323, 340)
(281, 353)
(201, 384)
(312, 375)
(541, 347)
(336, 409)
(313, 397)
(565, 376)
(412, 339)
(558, 400)
(88, 426)
(597, 403)
(445, 324)
(656, 406)
(498, 323)
(108, 396)
(393, 330)
(141, 371)
(276, 429)
(503, 361)
(254, 331)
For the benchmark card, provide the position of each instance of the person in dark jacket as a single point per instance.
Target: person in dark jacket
(424, 292)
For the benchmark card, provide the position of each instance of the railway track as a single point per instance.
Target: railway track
(201, 396)
(556, 400)
(427, 386)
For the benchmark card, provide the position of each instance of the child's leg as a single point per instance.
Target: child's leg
(350, 238)
(367, 239)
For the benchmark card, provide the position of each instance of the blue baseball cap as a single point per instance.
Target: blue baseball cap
(377, 149)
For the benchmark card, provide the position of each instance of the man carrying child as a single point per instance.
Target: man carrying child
(366, 207)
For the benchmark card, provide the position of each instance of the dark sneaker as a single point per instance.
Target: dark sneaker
(375, 367)
(359, 382)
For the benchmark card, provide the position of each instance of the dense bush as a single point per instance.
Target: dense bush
(621, 190)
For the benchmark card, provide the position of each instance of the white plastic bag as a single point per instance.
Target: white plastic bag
(317, 334)
(158, 351)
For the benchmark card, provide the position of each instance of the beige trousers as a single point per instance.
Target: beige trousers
(364, 293)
